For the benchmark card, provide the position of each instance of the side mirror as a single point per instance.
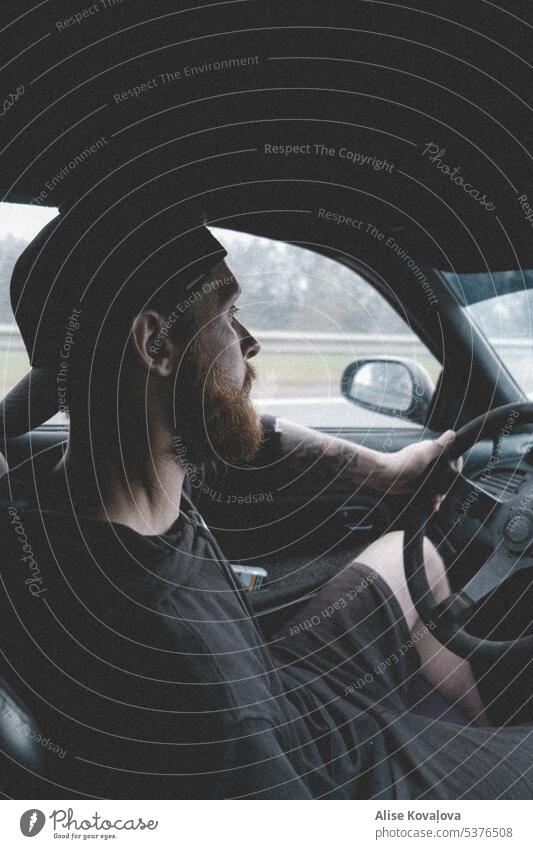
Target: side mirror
(392, 387)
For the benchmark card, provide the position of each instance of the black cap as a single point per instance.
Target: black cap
(76, 268)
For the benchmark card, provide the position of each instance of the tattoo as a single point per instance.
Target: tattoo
(321, 461)
(301, 457)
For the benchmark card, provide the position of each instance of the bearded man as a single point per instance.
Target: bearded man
(127, 627)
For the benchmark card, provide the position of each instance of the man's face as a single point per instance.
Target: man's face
(219, 333)
(212, 408)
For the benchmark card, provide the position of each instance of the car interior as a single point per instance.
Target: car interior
(285, 549)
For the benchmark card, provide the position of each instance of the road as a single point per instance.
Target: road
(317, 411)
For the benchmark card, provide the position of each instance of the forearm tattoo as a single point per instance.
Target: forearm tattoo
(322, 461)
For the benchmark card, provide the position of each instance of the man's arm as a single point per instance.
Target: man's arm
(295, 457)
(324, 458)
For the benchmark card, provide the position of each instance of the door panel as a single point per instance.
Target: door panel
(302, 536)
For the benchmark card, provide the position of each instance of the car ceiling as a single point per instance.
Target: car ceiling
(378, 78)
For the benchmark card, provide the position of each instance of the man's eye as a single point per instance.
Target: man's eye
(232, 311)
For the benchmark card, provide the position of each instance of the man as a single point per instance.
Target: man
(120, 614)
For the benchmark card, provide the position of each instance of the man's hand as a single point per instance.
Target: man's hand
(401, 470)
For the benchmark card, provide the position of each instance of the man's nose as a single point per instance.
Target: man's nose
(250, 347)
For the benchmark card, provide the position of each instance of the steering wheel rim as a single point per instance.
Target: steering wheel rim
(447, 619)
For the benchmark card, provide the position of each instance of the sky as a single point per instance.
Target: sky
(24, 220)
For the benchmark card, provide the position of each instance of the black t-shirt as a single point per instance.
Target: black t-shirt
(138, 656)
(148, 678)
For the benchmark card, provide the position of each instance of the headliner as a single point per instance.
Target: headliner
(381, 79)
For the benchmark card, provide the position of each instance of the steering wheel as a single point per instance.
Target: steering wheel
(508, 522)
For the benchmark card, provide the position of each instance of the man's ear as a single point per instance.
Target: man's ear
(153, 346)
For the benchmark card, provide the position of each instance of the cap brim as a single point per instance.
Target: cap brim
(30, 403)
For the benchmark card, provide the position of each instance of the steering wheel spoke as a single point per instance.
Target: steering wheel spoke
(499, 566)
(474, 500)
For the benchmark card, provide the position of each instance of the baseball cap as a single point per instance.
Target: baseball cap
(82, 263)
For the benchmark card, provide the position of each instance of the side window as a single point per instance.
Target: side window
(19, 224)
(313, 316)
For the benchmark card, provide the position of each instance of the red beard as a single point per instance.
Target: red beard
(215, 420)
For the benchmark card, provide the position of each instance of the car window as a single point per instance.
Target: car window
(19, 224)
(313, 316)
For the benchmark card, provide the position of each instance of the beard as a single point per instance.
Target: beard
(213, 419)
